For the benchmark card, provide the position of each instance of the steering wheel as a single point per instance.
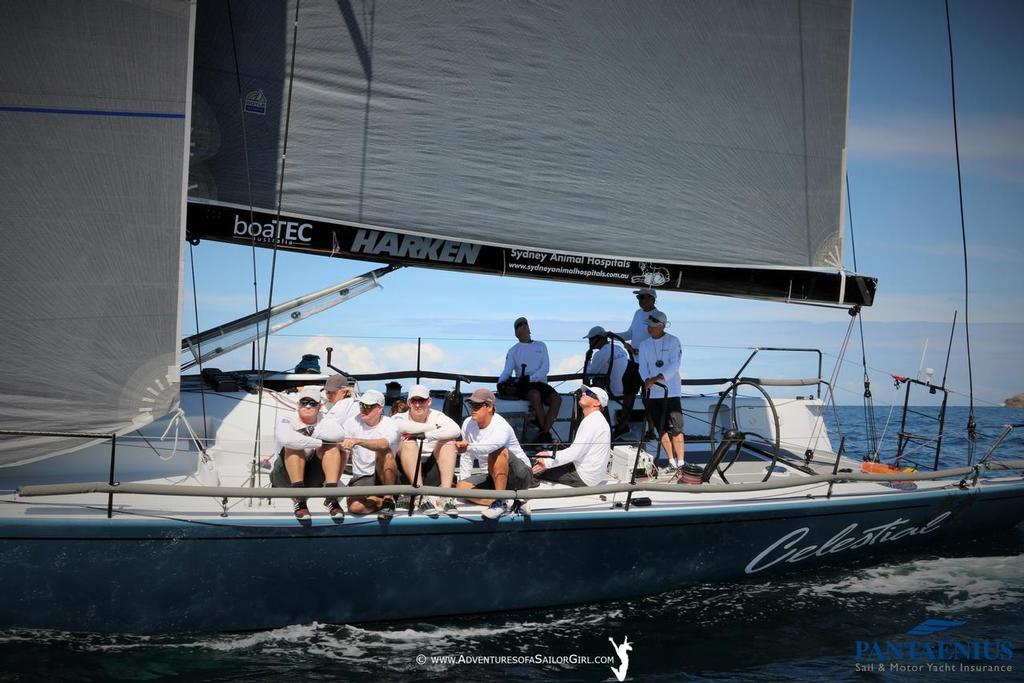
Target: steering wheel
(734, 437)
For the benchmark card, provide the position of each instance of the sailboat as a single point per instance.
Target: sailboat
(686, 146)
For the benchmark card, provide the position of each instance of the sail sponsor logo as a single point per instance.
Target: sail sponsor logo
(377, 243)
(286, 232)
(255, 102)
(787, 548)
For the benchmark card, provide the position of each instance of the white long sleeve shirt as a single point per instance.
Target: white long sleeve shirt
(589, 451)
(534, 355)
(342, 411)
(437, 427)
(669, 351)
(292, 433)
(637, 331)
(598, 365)
(483, 442)
(364, 461)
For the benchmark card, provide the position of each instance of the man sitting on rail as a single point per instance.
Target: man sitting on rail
(585, 462)
(487, 435)
(439, 435)
(372, 438)
(308, 447)
(528, 361)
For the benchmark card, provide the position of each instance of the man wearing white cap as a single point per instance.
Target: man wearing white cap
(607, 362)
(660, 357)
(440, 433)
(636, 334)
(488, 437)
(585, 462)
(528, 361)
(304, 436)
(372, 438)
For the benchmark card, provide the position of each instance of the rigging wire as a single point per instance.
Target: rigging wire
(248, 173)
(972, 430)
(199, 343)
(273, 259)
(869, 403)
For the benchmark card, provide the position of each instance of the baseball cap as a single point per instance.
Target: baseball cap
(656, 318)
(482, 395)
(372, 396)
(419, 391)
(335, 382)
(649, 292)
(520, 321)
(310, 392)
(596, 331)
(601, 394)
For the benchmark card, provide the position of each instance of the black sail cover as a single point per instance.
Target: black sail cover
(691, 145)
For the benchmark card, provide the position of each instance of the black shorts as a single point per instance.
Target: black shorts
(366, 480)
(313, 474)
(631, 379)
(546, 391)
(428, 470)
(563, 474)
(520, 476)
(673, 422)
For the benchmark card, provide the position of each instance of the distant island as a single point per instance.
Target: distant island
(1015, 401)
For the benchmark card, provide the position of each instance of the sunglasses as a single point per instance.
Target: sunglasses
(417, 401)
(475, 406)
(591, 394)
(367, 408)
(308, 403)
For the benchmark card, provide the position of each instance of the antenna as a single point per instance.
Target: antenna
(921, 364)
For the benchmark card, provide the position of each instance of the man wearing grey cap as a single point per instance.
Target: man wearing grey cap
(488, 437)
(372, 438)
(660, 358)
(341, 404)
(635, 335)
(607, 362)
(528, 361)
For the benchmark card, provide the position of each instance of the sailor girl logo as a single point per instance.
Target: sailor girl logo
(786, 549)
(255, 102)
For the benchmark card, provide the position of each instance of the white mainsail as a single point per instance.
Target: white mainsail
(94, 117)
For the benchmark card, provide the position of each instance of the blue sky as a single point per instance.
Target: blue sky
(906, 230)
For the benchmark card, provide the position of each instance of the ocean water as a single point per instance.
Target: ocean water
(805, 626)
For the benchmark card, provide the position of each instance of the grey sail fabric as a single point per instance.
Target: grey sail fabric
(682, 131)
(93, 140)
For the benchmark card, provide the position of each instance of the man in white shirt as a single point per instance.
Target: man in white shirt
(341, 402)
(439, 433)
(528, 362)
(488, 437)
(660, 357)
(636, 334)
(585, 462)
(307, 445)
(607, 362)
(372, 439)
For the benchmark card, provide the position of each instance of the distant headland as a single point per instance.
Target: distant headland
(1015, 401)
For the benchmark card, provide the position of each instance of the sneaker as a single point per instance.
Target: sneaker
(450, 508)
(387, 510)
(301, 511)
(334, 508)
(523, 508)
(429, 508)
(495, 510)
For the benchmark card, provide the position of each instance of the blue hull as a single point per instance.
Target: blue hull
(143, 575)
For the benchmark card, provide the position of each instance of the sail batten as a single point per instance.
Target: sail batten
(682, 131)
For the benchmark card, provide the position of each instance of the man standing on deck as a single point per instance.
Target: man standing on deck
(660, 357)
(585, 462)
(307, 443)
(528, 361)
(636, 334)
(488, 437)
(372, 438)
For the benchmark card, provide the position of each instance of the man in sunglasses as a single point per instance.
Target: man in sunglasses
(310, 453)
(372, 439)
(488, 437)
(660, 357)
(528, 361)
(585, 462)
(440, 433)
(637, 333)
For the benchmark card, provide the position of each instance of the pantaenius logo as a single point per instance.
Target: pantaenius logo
(255, 102)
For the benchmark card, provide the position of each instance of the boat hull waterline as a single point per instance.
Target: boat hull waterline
(144, 574)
